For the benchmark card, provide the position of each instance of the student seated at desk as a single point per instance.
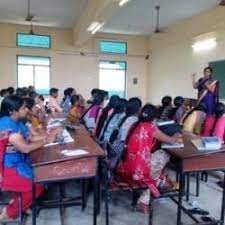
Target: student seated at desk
(219, 127)
(142, 162)
(66, 102)
(76, 109)
(105, 114)
(3, 93)
(112, 122)
(166, 108)
(194, 119)
(53, 104)
(90, 116)
(178, 111)
(17, 172)
(117, 139)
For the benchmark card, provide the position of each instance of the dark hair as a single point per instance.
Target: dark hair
(113, 101)
(219, 109)
(4, 92)
(166, 101)
(98, 99)
(94, 91)
(29, 102)
(11, 90)
(208, 68)
(32, 94)
(104, 115)
(22, 92)
(119, 108)
(133, 106)
(41, 97)
(68, 91)
(74, 99)
(53, 91)
(11, 104)
(178, 101)
(148, 113)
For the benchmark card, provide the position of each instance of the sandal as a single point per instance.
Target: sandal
(220, 183)
(208, 219)
(198, 211)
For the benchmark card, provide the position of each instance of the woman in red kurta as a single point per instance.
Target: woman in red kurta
(142, 163)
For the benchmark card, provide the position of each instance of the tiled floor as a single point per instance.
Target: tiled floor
(121, 212)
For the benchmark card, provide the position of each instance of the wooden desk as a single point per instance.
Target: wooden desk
(192, 160)
(49, 165)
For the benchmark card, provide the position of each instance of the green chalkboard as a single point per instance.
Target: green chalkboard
(219, 74)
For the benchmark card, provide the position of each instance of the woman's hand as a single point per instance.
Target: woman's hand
(194, 84)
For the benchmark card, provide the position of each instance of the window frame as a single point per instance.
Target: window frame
(37, 56)
(112, 53)
(42, 35)
(125, 70)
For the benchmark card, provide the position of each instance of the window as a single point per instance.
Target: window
(33, 40)
(112, 77)
(35, 71)
(113, 47)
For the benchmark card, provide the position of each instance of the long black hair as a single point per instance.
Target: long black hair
(11, 104)
(98, 100)
(29, 102)
(104, 116)
(219, 110)
(68, 92)
(120, 107)
(148, 114)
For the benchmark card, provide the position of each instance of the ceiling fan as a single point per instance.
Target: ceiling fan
(222, 2)
(158, 29)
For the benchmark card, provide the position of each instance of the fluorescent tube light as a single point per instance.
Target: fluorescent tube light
(123, 2)
(99, 26)
(92, 26)
(204, 45)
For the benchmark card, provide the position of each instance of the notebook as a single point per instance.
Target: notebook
(200, 145)
(169, 146)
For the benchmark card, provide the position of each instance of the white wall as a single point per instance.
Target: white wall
(172, 60)
(68, 67)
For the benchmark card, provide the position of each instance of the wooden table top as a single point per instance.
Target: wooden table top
(52, 154)
(190, 151)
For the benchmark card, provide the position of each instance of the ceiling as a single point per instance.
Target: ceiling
(53, 13)
(136, 17)
(139, 16)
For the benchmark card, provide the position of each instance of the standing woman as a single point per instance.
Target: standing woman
(208, 90)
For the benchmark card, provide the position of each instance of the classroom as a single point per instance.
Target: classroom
(112, 112)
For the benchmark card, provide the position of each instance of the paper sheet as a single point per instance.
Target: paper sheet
(74, 152)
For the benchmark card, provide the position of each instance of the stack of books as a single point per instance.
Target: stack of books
(207, 143)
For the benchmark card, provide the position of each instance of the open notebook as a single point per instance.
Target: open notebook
(65, 138)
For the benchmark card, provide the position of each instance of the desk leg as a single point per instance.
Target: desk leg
(95, 200)
(223, 202)
(181, 191)
(33, 203)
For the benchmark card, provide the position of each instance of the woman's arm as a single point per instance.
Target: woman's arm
(19, 143)
(194, 83)
(160, 136)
